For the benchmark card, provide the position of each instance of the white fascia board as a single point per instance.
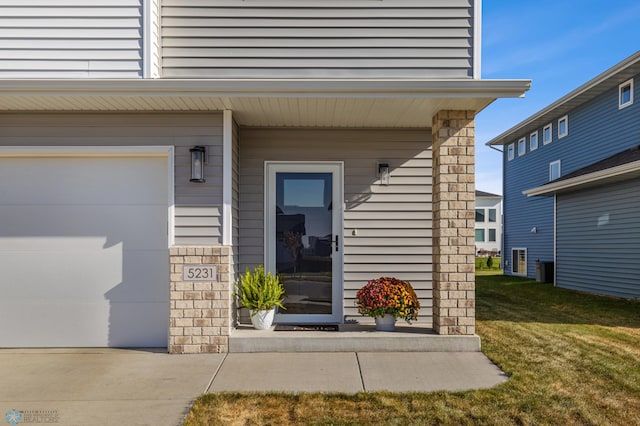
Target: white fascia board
(552, 188)
(471, 88)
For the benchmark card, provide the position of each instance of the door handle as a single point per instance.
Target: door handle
(337, 243)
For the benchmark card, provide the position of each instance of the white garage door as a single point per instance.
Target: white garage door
(83, 252)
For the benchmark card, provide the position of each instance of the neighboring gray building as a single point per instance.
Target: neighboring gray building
(571, 186)
(488, 224)
(151, 151)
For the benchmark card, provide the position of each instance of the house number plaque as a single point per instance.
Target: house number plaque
(200, 273)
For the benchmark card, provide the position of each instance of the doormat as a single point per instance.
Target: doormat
(307, 327)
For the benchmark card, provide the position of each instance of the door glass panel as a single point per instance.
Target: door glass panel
(303, 241)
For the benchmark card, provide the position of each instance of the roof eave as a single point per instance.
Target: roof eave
(471, 88)
(590, 179)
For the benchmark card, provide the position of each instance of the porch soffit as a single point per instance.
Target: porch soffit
(266, 103)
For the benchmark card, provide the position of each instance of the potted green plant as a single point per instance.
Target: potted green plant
(260, 293)
(387, 299)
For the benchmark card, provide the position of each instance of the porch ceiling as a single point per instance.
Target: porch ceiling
(270, 103)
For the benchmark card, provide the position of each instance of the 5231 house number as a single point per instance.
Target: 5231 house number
(200, 273)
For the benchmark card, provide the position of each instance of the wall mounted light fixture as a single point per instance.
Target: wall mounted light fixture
(534, 230)
(383, 173)
(198, 160)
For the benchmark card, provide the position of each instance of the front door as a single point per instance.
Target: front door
(304, 238)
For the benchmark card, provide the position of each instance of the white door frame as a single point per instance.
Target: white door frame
(337, 169)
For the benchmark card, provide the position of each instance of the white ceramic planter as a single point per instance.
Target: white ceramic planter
(262, 320)
(386, 323)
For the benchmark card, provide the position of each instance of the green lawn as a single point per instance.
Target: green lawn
(572, 358)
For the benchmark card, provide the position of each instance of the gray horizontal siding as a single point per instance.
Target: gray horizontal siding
(329, 39)
(197, 205)
(598, 242)
(71, 39)
(198, 225)
(387, 229)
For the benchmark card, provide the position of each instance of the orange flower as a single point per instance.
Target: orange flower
(391, 296)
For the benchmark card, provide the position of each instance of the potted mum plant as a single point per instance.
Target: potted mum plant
(387, 299)
(260, 293)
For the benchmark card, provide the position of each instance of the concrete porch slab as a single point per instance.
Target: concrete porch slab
(350, 338)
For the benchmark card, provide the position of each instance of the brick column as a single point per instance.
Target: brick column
(453, 222)
(199, 309)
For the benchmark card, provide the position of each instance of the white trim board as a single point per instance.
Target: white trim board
(227, 178)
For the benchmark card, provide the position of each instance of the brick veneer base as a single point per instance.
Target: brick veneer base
(199, 318)
(454, 222)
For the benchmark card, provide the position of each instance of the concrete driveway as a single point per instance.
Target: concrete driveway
(101, 386)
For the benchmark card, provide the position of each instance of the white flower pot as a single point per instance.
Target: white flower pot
(262, 320)
(386, 323)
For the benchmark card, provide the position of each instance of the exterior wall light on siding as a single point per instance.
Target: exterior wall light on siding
(198, 160)
(383, 173)
(534, 230)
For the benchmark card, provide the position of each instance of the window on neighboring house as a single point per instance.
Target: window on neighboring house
(547, 136)
(519, 261)
(492, 235)
(563, 127)
(522, 147)
(479, 235)
(533, 141)
(625, 94)
(510, 152)
(492, 215)
(554, 170)
(479, 215)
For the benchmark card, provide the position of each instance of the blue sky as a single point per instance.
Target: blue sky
(559, 45)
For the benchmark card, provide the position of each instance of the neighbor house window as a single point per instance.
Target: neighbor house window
(554, 170)
(533, 141)
(625, 94)
(563, 127)
(479, 215)
(522, 147)
(492, 215)
(510, 151)
(479, 235)
(492, 235)
(546, 134)
(519, 261)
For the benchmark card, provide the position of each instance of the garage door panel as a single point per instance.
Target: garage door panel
(70, 227)
(97, 181)
(138, 325)
(83, 252)
(102, 324)
(111, 274)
